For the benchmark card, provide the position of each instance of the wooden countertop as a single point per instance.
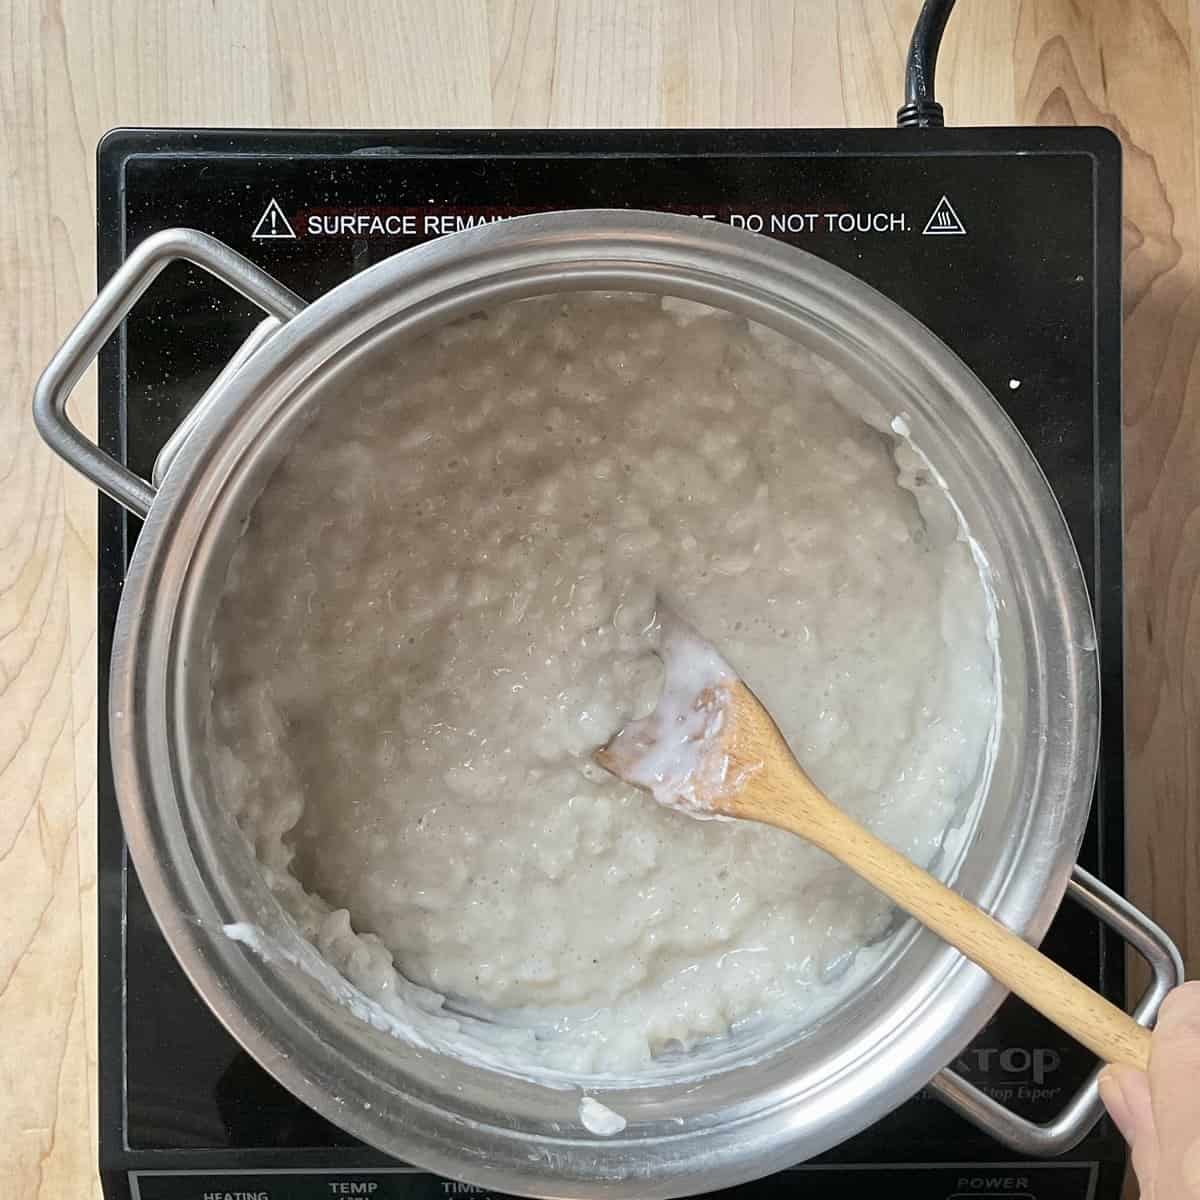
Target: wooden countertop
(73, 68)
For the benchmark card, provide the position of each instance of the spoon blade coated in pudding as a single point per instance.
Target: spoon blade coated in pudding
(711, 750)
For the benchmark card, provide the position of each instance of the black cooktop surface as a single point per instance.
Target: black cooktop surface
(1004, 242)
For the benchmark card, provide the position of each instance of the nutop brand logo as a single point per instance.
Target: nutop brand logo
(1011, 1066)
(1015, 1075)
(1015, 1064)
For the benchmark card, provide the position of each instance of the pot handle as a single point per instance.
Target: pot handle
(98, 323)
(1085, 1108)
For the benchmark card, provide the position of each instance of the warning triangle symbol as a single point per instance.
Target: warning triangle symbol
(273, 224)
(944, 220)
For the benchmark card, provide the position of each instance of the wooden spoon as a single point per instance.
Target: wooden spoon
(711, 750)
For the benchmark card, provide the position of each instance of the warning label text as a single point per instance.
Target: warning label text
(821, 222)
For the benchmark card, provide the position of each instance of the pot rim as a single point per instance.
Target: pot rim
(554, 250)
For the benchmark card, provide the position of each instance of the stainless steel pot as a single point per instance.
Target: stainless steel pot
(789, 1095)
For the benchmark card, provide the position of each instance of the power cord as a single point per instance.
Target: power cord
(920, 109)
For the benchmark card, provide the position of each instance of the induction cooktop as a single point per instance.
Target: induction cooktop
(1004, 242)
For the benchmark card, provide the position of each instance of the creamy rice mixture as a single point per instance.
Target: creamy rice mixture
(446, 599)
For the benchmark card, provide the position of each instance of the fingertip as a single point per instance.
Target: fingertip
(1181, 1008)
(1124, 1076)
(1114, 1101)
(1135, 1119)
(1133, 1088)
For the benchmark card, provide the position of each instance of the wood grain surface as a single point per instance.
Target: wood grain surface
(69, 69)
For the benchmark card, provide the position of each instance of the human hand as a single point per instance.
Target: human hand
(1158, 1111)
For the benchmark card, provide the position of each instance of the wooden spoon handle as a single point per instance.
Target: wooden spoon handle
(1039, 981)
